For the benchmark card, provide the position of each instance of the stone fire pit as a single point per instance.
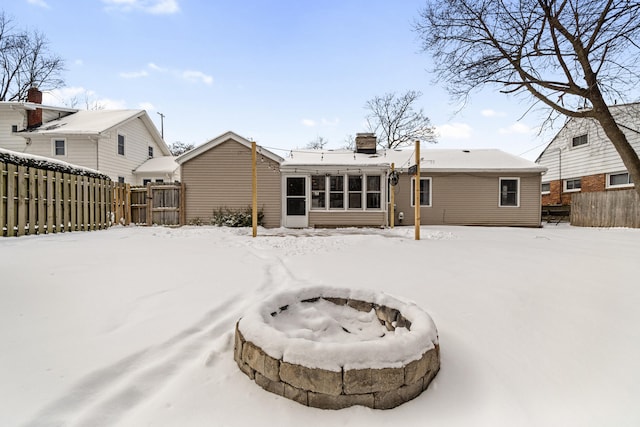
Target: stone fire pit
(334, 348)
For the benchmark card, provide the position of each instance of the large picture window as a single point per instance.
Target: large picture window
(509, 192)
(336, 192)
(425, 192)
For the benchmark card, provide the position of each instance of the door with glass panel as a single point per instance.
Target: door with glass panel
(295, 208)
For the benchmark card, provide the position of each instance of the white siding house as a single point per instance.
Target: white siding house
(117, 143)
(581, 157)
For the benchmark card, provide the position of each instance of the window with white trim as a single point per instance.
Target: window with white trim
(545, 187)
(59, 147)
(121, 144)
(318, 192)
(621, 179)
(355, 191)
(336, 192)
(374, 192)
(509, 192)
(573, 184)
(579, 140)
(425, 191)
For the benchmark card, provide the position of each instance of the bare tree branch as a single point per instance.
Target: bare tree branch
(394, 120)
(565, 54)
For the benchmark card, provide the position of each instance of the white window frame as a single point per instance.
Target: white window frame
(124, 144)
(579, 138)
(367, 192)
(545, 191)
(361, 192)
(345, 193)
(509, 178)
(413, 191)
(64, 147)
(629, 183)
(571, 190)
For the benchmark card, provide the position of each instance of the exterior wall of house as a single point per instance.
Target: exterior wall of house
(347, 219)
(592, 183)
(9, 118)
(592, 161)
(221, 178)
(471, 199)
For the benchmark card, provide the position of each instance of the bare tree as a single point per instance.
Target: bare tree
(575, 57)
(178, 148)
(317, 144)
(25, 62)
(394, 119)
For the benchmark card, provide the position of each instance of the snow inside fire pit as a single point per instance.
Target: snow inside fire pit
(333, 348)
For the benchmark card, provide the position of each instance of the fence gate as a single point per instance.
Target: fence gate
(154, 204)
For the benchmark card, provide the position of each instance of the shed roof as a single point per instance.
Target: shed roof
(164, 164)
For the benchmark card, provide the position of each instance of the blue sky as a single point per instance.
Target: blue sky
(281, 72)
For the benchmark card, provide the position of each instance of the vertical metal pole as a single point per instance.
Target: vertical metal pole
(392, 208)
(417, 193)
(254, 190)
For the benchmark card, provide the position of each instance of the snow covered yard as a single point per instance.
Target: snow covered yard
(134, 326)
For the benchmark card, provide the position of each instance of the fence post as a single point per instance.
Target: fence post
(22, 200)
(3, 204)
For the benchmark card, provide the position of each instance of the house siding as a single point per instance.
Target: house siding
(598, 156)
(471, 199)
(222, 178)
(9, 118)
(347, 219)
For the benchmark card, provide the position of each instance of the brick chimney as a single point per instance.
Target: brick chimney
(34, 117)
(366, 143)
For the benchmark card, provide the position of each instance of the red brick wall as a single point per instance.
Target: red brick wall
(589, 184)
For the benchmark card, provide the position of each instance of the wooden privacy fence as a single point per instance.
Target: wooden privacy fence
(619, 208)
(154, 204)
(38, 201)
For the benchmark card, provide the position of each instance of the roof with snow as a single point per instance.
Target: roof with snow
(164, 164)
(87, 122)
(441, 160)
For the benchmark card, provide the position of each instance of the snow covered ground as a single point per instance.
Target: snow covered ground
(134, 326)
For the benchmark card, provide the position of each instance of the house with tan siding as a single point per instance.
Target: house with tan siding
(217, 175)
(347, 188)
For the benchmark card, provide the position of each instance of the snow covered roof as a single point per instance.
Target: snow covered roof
(441, 160)
(33, 106)
(87, 122)
(164, 164)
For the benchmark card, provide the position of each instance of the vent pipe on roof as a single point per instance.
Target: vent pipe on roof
(34, 117)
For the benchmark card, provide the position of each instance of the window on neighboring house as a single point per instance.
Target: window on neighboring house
(374, 192)
(425, 192)
(318, 193)
(160, 180)
(59, 147)
(14, 128)
(121, 145)
(355, 191)
(579, 140)
(545, 187)
(146, 181)
(509, 192)
(572, 184)
(622, 179)
(336, 192)
(121, 179)
(151, 152)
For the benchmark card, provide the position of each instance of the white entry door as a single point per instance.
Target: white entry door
(295, 205)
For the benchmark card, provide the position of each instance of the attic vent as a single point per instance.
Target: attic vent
(466, 151)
